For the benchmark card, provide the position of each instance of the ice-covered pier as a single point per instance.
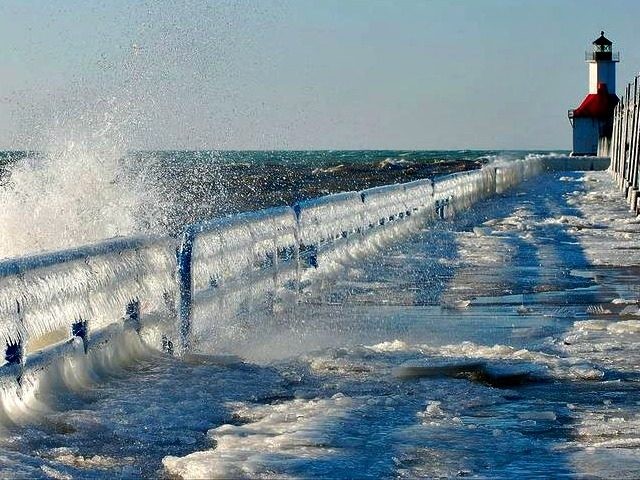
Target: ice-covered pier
(179, 293)
(481, 322)
(501, 343)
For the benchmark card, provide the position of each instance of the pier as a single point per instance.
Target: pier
(537, 279)
(319, 240)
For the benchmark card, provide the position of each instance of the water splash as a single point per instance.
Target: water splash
(156, 81)
(82, 189)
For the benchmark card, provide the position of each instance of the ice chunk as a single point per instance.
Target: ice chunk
(393, 346)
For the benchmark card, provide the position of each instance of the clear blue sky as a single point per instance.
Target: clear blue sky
(431, 74)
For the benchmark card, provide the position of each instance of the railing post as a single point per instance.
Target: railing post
(632, 129)
(80, 329)
(624, 141)
(614, 141)
(14, 354)
(619, 162)
(185, 285)
(619, 149)
(309, 255)
(628, 142)
(621, 119)
(167, 345)
(132, 315)
(635, 138)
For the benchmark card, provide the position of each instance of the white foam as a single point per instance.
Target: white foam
(275, 438)
(433, 409)
(612, 344)
(78, 192)
(70, 457)
(630, 310)
(626, 326)
(55, 474)
(390, 346)
(569, 368)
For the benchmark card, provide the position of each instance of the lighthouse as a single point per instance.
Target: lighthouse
(592, 121)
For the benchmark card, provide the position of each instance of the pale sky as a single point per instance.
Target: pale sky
(304, 74)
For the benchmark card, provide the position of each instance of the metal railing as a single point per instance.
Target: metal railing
(625, 144)
(60, 299)
(602, 56)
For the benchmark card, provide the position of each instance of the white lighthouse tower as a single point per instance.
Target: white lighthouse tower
(592, 121)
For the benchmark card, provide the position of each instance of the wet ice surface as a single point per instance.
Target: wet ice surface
(503, 344)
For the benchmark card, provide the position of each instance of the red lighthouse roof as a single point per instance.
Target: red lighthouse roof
(597, 105)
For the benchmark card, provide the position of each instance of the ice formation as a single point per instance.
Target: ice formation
(225, 266)
(43, 297)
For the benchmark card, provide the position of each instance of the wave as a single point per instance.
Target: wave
(82, 189)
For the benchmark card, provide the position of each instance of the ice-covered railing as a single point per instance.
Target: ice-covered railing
(233, 257)
(459, 191)
(70, 299)
(231, 265)
(326, 227)
(47, 301)
(510, 174)
(392, 202)
(331, 228)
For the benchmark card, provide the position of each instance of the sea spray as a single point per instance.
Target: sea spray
(155, 83)
(76, 192)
